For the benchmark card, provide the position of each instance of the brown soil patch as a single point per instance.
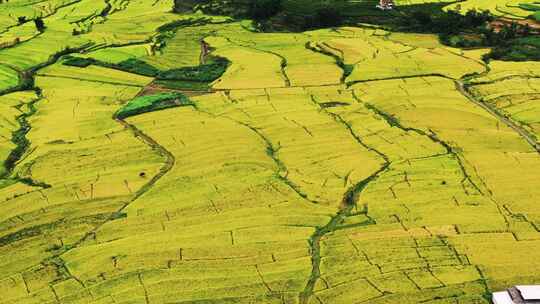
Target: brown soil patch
(499, 23)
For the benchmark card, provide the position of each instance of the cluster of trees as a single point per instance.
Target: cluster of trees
(505, 33)
(487, 36)
(475, 29)
(444, 22)
(234, 8)
(314, 15)
(512, 42)
(272, 14)
(40, 24)
(471, 29)
(264, 9)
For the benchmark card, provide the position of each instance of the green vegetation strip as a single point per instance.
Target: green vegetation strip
(150, 103)
(195, 77)
(350, 200)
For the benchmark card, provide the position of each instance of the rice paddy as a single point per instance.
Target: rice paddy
(515, 9)
(347, 165)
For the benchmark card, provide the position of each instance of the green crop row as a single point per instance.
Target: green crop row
(149, 103)
(205, 73)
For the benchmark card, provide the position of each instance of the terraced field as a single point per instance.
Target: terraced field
(514, 9)
(347, 165)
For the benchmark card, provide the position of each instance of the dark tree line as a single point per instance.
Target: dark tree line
(271, 13)
(447, 23)
(472, 29)
(38, 22)
(324, 15)
(477, 29)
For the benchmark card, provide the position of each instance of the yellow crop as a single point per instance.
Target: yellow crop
(345, 165)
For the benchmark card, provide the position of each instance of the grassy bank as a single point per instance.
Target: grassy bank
(150, 103)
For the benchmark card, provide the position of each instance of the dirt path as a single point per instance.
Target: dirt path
(460, 86)
(499, 23)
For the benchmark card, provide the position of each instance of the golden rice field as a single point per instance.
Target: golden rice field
(410, 178)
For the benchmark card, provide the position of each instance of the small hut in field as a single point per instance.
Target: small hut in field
(386, 4)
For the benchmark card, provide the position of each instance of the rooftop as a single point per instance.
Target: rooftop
(522, 294)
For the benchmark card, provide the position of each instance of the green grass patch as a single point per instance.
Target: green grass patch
(195, 77)
(131, 65)
(78, 61)
(202, 73)
(150, 103)
(183, 85)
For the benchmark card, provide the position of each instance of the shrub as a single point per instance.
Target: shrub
(40, 24)
(328, 17)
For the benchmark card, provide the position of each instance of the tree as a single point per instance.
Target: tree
(40, 25)
(422, 18)
(328, 16)
(264, 9)
(182, 6)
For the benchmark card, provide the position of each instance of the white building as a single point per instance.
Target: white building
(386, 4)
(524, 294)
